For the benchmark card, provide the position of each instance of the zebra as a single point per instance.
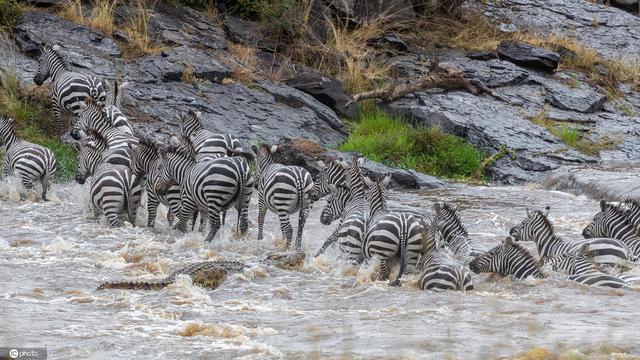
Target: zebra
(114, 187)
(454, 233)
(119, 145)
(29, 161)
(536, 227)
(211, 185)
(114, 93)
(351, 226)
(100, 118)
(440, 271)
(390, 234)
(148, 162)
(508, 258)
(332, 173)
(69, 88)
(283, 190)
(207, 144)
(582, 269)
(612, 221)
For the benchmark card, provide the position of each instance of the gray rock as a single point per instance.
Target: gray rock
(250, 33)
(361, 10)
(323, 88)
(611, 184)
(583, 99)
(170, 65)
(392, 41)
(528, 56)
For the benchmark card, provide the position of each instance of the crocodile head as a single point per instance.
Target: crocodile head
(286, 260)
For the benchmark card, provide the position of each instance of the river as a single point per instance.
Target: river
(54, 257)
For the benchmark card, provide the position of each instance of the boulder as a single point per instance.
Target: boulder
(362, 10)
(611, 184)
(323, 88)
(583, 99)
(170, 65)
(251, 33)
(528, 56)
(391, 41)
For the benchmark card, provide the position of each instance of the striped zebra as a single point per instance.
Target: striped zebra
(351, 225)
(440, 271)
(29, 161)
(119, 145)
(114, 93)
(536, 227)
(282, 190)
(149, 163)
(211, 185)
(390, 235)
(454, 233)
(207, 144)
(68, 88)
(582, 269)
(114, 187)
(94, 116)
(333, 172)
(508, 258)
(612, 221)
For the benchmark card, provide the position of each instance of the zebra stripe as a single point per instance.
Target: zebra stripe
(536, 227)
(332, 173)
(282, 190)
(149, 163)
(207, 144)
(69, 88)
(210, 185)
(114, 188)
(439, 271)
(94, 116)
(508, 258)
(612, 221)
(390, 234)
(454, 233)
(582, 269)
(30, 162)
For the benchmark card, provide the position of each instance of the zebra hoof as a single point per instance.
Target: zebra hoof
(395, 282)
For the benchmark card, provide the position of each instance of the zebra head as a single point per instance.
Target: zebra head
(332, 172)
(609, 222)
(89, 156)
(114, 92)
(144, 156)
(190, 123)
(334, 209)
(178, 159)
(48, 62)
(91, 116)
(508, 258)
(98, 91)
(535, 222)
(264, 157)
(571, 262)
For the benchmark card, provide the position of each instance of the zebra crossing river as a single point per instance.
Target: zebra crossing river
(54, 257)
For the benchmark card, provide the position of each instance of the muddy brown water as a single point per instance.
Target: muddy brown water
(54, 255)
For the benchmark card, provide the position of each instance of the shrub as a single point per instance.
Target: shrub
(390, 140)
(10, 14)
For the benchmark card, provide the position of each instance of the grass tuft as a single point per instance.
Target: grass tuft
(100, 18)
(390, 140)
(10, 14)
(140, 43)
(32, 120)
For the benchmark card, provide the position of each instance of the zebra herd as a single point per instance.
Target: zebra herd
(205, 173)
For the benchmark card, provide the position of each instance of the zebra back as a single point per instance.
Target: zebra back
(612, 221)
(508, 258)
(454, 233)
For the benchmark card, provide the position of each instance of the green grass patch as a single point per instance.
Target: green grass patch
(391, 141)
(32, 119)
(573, 136)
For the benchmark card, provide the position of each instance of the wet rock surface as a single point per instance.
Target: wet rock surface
(612, 184)
(528, 56)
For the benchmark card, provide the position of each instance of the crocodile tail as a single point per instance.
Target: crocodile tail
(133, 285)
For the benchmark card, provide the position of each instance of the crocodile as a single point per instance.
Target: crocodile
(210, 274)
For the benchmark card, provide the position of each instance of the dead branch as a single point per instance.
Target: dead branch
(438, 77)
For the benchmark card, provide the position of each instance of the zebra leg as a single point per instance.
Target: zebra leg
(186, 211)
(262, 212)
(285, 226)
(385, 270)
(223, 216)
(152, 208)
(331, 240)
(58, 126)
(47, 180)
(302, 220)
(214, 223)
(27, 182)
(114, 219)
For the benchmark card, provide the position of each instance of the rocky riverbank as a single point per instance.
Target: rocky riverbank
(195, 71)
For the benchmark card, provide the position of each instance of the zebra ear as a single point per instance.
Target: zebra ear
(603, 205)
(123, 85)
(386, 180)
(55, 47)
(546, 211)
(437, 207)
(508, 241)
(254, 149)
(529, 213)
(584, 249)
(273, 149)
(361, 160)
(174, 141)
(368, 181)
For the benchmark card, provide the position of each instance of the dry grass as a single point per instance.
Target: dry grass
(101, 17)
(137, 28)
(245, 63)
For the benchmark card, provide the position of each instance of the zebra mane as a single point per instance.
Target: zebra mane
(632, 203)
(149, 145)
(58, 57)
(180, 151)
(10, 122)
(525, 252)
(453, 214)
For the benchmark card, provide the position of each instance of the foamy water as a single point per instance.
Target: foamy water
(55, 255)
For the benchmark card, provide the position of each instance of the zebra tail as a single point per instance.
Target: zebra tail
(133, 285)
(403, 261)
(241, 189)
(129, 203)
